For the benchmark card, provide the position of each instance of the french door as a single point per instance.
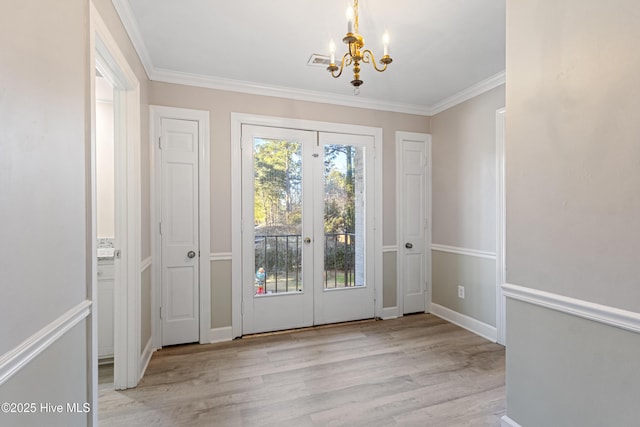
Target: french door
(307, 214)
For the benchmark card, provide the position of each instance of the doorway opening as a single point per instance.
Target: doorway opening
(105, 227)
(308, 244)
(107, 60)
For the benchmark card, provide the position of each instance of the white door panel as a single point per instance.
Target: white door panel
(414, 223)
(180, 259)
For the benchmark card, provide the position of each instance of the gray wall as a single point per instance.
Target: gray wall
(390, 279)
(566, 371)
(145, 308)
(43, 198)
(57, 376)
(220, 293)
(464, 204)
(478, 275)
(573, 204)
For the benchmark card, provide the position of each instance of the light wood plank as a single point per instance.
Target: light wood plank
(416, 370)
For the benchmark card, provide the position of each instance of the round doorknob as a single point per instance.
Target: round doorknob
(408, 245)
(307, 239)
(191, 254)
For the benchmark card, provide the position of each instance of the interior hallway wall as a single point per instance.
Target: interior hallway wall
(44, 255)
(573, 210)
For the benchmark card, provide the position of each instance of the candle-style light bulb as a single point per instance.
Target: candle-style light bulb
(350, 18)
(332, 50)
(385, 42)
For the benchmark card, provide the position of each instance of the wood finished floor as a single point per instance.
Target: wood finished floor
(415, 371)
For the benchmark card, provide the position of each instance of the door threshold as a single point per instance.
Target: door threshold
(307, 328)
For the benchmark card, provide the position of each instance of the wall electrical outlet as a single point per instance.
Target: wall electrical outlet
(461, 291)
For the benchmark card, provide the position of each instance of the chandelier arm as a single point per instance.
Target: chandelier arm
(372, 59)
(367, 56)
(341, 68)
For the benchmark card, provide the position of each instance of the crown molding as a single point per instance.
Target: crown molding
(470, 92)
(253, 88)
(131, 27)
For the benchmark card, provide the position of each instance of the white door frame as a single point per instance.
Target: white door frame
(501, 215)
(105, 55)
(401, 136)
(156, 114)
(237, 120)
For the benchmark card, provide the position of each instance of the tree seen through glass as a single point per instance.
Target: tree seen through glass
(278, 215)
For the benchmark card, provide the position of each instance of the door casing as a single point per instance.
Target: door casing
(237, 120)
(501, 215)
(157, 113)
(105, 55)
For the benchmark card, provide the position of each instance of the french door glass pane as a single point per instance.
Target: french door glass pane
(277, 216)
(343, 216)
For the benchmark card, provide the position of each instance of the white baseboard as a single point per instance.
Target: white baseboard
(508, 422)
(145, 357)
(469, 323)
(389, 313)
(221, 334)
(16, 359)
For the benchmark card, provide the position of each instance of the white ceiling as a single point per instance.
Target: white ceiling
(442, 50)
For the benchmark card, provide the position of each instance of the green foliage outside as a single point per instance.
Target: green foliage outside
(278, 186)
(278, 212)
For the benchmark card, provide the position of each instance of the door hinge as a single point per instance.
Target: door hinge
(160, 227)
(160, 142)
(160, 312)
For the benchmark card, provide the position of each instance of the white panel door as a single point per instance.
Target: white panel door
(413, 211)
(179, 231)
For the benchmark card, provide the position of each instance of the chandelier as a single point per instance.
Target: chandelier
(355, 55)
